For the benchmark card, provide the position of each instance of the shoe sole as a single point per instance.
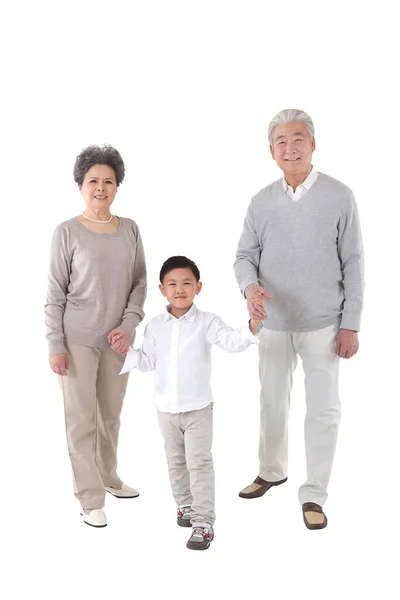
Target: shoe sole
(95, 526)
(195, 546)
(122, 497)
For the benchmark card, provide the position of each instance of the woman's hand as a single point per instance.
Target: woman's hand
(119, 340)
(59, 363)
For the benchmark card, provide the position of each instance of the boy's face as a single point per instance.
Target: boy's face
(180, 287)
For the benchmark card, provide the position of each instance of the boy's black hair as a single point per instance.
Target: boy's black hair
(179, 262)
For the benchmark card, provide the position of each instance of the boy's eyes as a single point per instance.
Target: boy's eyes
(173, 284)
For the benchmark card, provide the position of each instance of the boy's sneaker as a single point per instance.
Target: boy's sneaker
(183, 516)
(202, 536)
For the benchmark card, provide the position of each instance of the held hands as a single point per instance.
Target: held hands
(254, 325)
(119, 340)
(59, 363)
(346, 343)
(255, 295)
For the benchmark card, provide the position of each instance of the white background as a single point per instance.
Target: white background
(185, 91)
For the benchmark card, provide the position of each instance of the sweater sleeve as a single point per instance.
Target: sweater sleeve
(57, 288)
(133, 313)
(248, 253)
(351, 255)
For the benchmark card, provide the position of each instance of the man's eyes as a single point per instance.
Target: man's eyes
(296, 140)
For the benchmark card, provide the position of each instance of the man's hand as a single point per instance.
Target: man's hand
(59, 363)
(346, 343)
(255, 295)
(119, 340)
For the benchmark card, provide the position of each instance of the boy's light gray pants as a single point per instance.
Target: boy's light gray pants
(187, 443)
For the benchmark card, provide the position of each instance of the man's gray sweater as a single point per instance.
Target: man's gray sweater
(307, 254)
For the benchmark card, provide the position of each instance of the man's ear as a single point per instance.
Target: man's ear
(199, 285)
(313, 144)
(272, 152)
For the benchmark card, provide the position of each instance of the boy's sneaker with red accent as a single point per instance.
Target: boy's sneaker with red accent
(201, 538)
(183, 516)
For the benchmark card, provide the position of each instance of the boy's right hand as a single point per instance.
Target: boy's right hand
(119, 341)
(59, 364)
(254, 325)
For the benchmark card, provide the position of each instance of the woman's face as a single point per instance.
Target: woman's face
(99, 187)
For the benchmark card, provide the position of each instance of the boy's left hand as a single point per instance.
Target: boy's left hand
(119, 340)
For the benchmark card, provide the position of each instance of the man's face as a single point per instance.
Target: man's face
(180, 288)
(292, 148)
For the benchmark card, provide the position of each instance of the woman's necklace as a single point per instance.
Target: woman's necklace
(94, 220)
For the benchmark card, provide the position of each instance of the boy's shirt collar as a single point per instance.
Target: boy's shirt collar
(190, 315)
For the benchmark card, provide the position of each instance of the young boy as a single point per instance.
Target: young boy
(177, 345)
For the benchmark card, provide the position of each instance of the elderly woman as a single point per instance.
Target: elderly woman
(96, 291)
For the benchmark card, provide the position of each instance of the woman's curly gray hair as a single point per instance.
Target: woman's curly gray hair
(99, 155)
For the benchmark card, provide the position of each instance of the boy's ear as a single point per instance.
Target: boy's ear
(199, 285)
(162, 289)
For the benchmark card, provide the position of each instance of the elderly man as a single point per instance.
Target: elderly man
(301, 249)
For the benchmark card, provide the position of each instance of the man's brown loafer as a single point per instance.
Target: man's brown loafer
(313, 516)
(259, 487)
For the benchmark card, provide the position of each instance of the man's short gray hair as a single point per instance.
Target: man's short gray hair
(290, 114)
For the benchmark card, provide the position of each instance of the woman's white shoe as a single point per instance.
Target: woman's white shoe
(95, 518)
(124, 492)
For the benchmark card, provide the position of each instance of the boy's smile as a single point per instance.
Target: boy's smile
(180, 287)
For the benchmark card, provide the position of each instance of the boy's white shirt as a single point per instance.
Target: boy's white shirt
(180, 352)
